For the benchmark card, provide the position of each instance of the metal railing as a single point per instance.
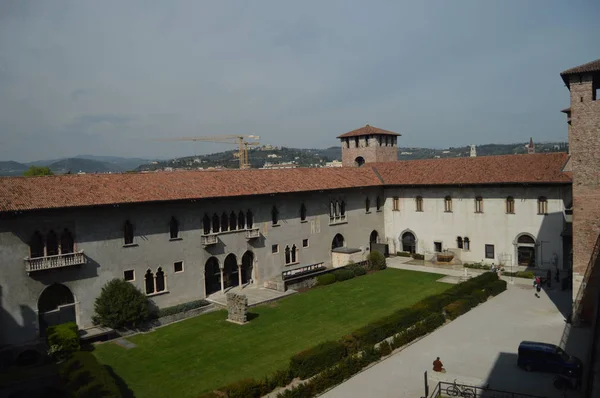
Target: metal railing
(56, 261)
(445, 389)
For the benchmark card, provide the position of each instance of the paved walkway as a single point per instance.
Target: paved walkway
(478, 346)
(256, 295)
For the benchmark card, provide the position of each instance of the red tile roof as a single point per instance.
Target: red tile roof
(505, 169)
(367, 130)
(31, 193)
(593, 66)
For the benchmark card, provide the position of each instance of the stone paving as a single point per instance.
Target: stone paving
(256, 295)
(480, 346)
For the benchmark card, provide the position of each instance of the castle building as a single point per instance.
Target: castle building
(368, 144)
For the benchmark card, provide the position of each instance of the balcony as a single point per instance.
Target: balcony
(337, 220)
(210, 239)
(252, 233)
(58, 261)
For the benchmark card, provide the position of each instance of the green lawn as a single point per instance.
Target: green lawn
(197, 355)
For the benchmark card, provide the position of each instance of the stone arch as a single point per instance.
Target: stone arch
(36, 245)
(230, 271)
(338, 241)
(51, 243)
(56, 305)
(212, 276)
(526, 248)
(67, 243)
(359, 161)
(374, 237)
(408, 241)
(247, 267)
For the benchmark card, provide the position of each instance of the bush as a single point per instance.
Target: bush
(457, 308)
(418, 256)
(302, 390)
(358, 271)
(325, 279)
(477, 266)
(376, 260)
(403, 254)
(310, 362)
(119, 305)
(246, 388)
(176, 309)
(82, 376)
(343, 274)
(480, 295)
(496, 287)
(65, 337)
(520, 274)
(282, 378)
(385, 348)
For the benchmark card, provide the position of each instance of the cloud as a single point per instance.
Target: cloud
(108, 77)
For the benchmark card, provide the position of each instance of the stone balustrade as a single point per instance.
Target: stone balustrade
(57, 261)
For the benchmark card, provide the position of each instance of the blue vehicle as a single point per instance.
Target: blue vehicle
(544, 357)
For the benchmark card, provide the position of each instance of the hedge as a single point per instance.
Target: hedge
(83, 376)
(325, 279)
(496, 287)
(403, 254)
(65, 337)
(477, 266)
(418, 256)
(246, 388)
(312, 361)
(457, 308)
(520, 274)
(176, 309)
(343, 274)
(358, 271)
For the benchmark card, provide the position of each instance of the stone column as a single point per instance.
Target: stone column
(222, 281)
(240, 275)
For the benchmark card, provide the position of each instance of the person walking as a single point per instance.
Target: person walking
(537, 284)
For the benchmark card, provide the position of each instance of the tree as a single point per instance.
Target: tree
(38, 171)
(120, 305)
(376, 260)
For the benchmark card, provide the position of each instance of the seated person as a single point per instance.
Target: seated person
(438, 366)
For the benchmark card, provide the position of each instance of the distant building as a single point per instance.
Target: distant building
(531, 146)
(473, 152)
(335, 163)
(288, 165)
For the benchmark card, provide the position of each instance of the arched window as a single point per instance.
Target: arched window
(367, 204)
(249, 219)
(174, 228)
(338, 241)
(542, 205)
(216, 226)
(241, 220)
(302, 212)
(359, 161)
(294, 251)
(343, 208)
(448, 204)
(160, 280)
(526, 239)
(67, 244)
(287, 255)
(510, 205)
(232, 222)
(378, 203)
(128, 233)
(51, 244)
(466, 244)
(206, 224)
(149, 282)
(224, 222)
(333, 206)
(459, 242)
(419, 203)
(36, 245)
(274, 215)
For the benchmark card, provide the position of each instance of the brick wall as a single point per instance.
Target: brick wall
(371, 153)
(584, 141)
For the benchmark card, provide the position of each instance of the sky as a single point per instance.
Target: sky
(111, 77)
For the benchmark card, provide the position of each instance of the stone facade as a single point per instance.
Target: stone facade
(372, 148)
(584, 148)
(237, 308)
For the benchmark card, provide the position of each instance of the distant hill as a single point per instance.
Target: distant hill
(83, 163)
(125, 164)
(76, 165)
(11, 168)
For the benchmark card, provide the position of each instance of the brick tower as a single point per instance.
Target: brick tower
(367, 145)
(584, 147)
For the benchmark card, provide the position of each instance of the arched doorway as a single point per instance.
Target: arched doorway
(409, 242)
(359, 161)
(374, 237)
(230, 271)
(525, 244)
(338, 241)
(247, 267)
(212, 276)
(56, 305)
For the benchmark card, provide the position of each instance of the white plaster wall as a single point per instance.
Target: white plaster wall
(493, 226)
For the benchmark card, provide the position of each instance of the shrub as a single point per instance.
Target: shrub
(119, 305)
(325, 279)
(310, 362)
(301, 390)
(418, 256)
(65, 337)
(246, 388)
(343, 274)
(282, 378)
(176, 309)
(520, 274)
(457, 308)
(481, 295)
(376, 260)
(496, 287)
(385, 348)
(403, 254)
(83, 376)
(358, 271)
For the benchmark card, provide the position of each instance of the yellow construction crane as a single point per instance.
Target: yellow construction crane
(239, 140)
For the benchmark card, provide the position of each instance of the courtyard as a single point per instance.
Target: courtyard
(197, 355)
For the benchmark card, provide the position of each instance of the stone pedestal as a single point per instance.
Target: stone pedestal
(237, 308)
